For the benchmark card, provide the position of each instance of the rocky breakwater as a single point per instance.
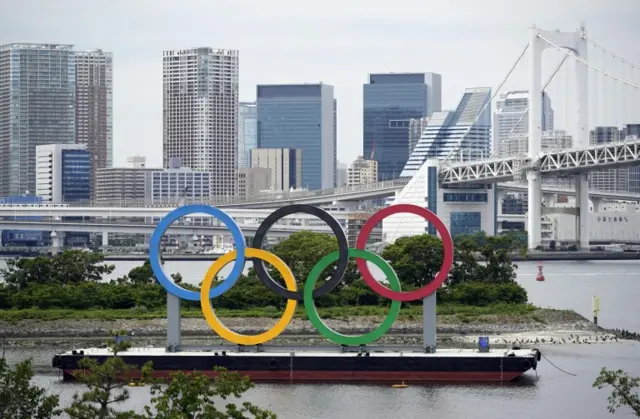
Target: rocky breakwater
(454, 328)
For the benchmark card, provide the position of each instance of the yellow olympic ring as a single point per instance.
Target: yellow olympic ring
(221, 329)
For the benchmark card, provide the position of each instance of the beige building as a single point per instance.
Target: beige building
(285, 165)
(252, 180)
(119, 185)
(362, 172)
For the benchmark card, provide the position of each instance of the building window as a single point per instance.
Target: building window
(464, 197)
(465, 223)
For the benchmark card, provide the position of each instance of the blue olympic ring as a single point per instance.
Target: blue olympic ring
(156, 264)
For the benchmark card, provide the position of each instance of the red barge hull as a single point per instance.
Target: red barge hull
(444, 366)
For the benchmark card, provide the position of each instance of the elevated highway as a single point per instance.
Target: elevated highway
(88, 227)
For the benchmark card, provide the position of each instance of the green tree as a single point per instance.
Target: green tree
(19, 399)
(68, 267)
(623, 389)
(416, 259)
(191, 396)
(142, 274)
(105, 385)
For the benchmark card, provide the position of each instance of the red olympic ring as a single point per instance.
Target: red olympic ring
(447, 245)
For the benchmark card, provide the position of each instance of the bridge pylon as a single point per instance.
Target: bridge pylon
(576, 42)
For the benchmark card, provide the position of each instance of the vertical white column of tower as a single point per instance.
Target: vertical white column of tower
(429, 324)
(534, 187)
(582, 141)
(174, 330)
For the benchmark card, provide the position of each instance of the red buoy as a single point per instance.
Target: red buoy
(540, 276)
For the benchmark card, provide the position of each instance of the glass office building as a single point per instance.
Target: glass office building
(37, 107)
(301, 116)
(390, 102)
(463, 134)
(247, 132)
(64, 173)
(76, 175)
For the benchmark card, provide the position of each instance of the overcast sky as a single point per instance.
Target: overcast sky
(470, 42)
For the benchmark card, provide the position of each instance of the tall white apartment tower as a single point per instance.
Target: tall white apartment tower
(511, 124)
(200, 113)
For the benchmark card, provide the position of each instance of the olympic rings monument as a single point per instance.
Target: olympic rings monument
(242, 253)
(349, 359)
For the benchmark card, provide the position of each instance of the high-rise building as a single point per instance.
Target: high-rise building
(247, 132)
(301, 116)
(511, 124)
(63, 173)
(390, 102)
(285, 165)
(200, 107)
(37, 107)
(610, 180)
(465, 132)
(362, 172)
(94, 100)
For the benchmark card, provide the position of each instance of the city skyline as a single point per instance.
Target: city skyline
(477, 35)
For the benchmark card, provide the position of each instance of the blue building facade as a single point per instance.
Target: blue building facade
(76, 175)
(22, 238)
(301, 116)
(390, 102)
(75, 185)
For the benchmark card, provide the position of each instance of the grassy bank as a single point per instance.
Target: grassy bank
(462, 311)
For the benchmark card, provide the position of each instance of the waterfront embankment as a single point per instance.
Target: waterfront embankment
(541, 325)
(531, 256)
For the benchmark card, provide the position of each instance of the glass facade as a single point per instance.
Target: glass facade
(463, 134)
(390, 102)
(465, 223)
(38, 108)
(301, 117)
(76, 175)
(247, 132)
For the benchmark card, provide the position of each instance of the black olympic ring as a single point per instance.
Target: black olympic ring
(343, 249)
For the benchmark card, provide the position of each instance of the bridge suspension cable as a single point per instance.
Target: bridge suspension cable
(613, 54)
(526, 112)
(495, 93)
(598, 69)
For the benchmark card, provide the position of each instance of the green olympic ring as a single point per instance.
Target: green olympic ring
(326, 331)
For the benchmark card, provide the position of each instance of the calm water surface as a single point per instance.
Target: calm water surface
(550, 394)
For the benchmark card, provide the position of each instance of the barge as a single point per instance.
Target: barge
(309, 365)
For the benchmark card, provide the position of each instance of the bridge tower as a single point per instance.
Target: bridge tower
(576, 43)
